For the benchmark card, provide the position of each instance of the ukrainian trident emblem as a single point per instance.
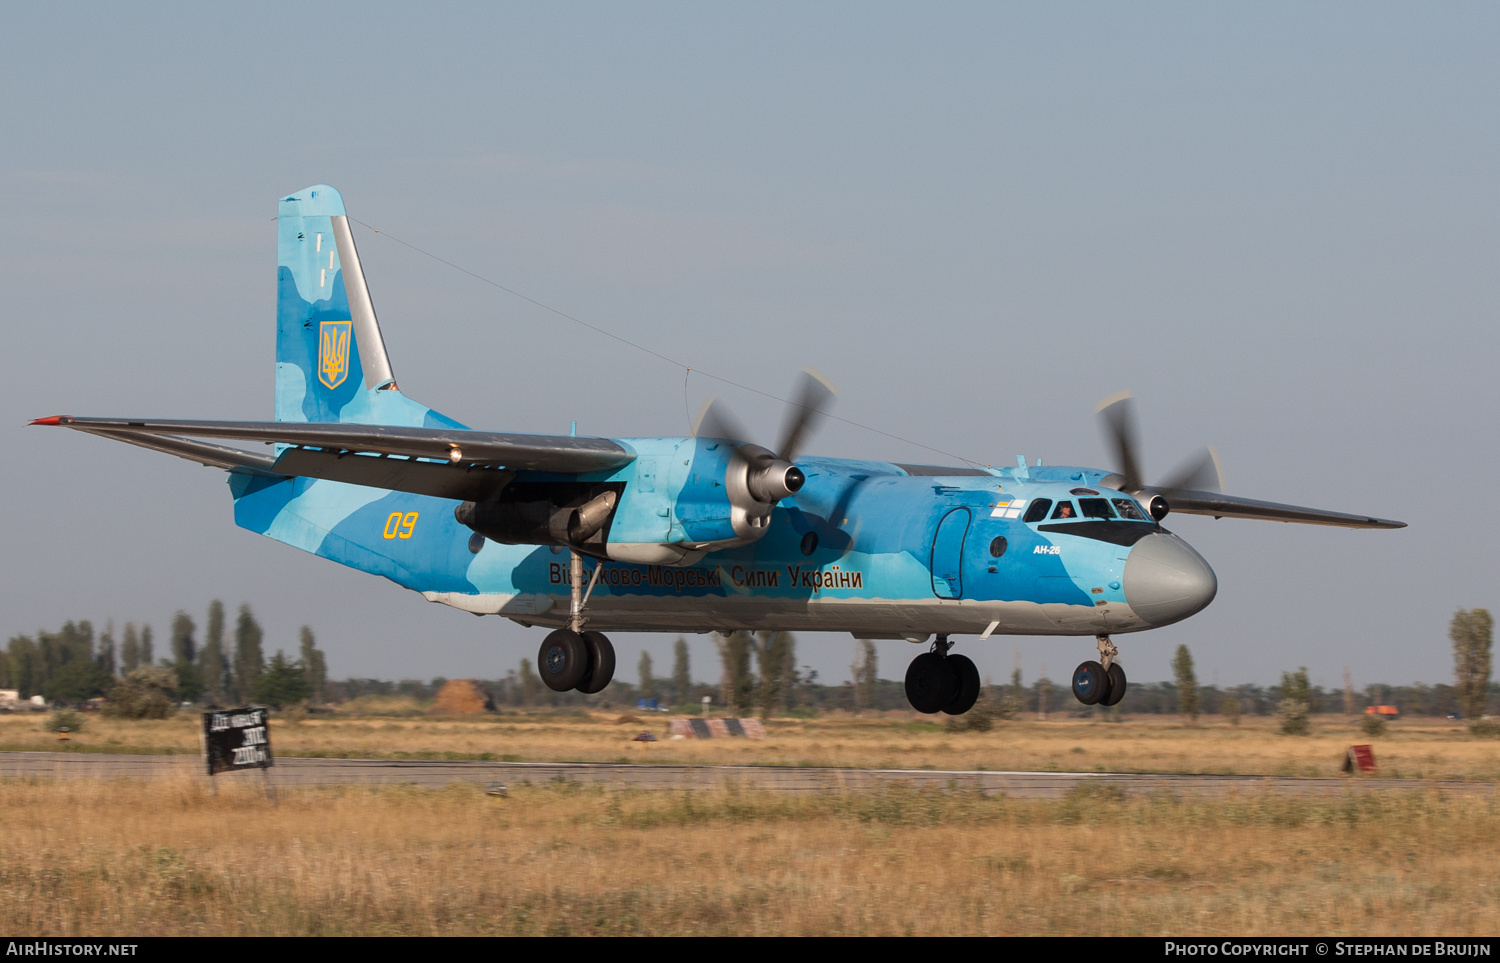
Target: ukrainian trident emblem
(333, 352)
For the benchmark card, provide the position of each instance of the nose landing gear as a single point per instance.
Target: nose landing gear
(939, 682)
(1103, 682)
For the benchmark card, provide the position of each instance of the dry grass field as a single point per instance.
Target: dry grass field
(98, 857)
(81, 857)
(1412, 748)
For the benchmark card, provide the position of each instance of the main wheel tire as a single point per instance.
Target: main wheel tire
(1090, 683)
(563, 660)
(966, 674)
(601, 663)
(930, 683)
(1117, 685)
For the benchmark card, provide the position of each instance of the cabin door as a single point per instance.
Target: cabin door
(948, 555)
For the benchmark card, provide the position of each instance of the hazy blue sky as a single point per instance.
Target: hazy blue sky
(1276, 223)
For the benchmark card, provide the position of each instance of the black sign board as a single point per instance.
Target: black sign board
(235, 739)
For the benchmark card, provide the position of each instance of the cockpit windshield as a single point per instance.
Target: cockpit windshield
(1107, 509)
(1095, 508)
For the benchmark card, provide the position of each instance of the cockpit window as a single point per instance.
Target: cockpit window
(1095, 508)
(1129, 509)
(1064, 510)
(1038, 510)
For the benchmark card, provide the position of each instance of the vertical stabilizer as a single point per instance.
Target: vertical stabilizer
(331, 363)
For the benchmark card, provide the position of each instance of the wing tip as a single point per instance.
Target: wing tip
(51, 420)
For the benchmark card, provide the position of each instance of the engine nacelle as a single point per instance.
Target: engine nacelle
(756, 480)
(547, 516)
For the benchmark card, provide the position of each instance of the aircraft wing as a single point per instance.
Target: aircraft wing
(1188, 501)
(466, 465)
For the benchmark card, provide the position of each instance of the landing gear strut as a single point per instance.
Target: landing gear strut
(939, 682)
(1103, 682)
(571, 658)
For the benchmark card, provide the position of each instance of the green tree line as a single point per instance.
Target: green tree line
(224, 666)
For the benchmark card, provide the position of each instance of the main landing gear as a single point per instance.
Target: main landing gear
(1103, 682)
(571, 658)
(939, 682)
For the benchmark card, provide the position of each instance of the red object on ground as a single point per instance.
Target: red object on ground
(1359, 759)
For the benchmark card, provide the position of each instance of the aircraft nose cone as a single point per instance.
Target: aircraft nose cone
(1166, 581)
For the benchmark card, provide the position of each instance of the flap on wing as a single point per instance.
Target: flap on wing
(562, 454)
(1188, 501)
(462, 482)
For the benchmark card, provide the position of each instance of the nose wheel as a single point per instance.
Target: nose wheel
(939, 682)
(1100, 683)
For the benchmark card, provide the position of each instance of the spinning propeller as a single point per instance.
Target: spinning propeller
(757, 478)
(815, 394)
(1202, 472)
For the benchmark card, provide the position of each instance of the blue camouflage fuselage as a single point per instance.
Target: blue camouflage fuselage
(874, 565)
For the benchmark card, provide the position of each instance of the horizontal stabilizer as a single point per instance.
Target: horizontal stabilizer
(1186, 501)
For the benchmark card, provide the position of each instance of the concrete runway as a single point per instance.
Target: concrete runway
(295, 772)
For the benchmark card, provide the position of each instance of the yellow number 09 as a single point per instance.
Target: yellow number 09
(399, 525)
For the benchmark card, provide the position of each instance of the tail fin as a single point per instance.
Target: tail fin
(331, 364)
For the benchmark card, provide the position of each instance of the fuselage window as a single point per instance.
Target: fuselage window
(1038, 510)
(1064, 510)
(1129, 509)
(1095, 508)
(997, 546)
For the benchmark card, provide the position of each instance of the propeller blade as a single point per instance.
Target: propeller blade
(1117, 417)
(1201, 472)
(715, 421)
(814, 396)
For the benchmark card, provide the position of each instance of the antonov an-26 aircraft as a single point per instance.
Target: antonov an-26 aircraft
(706, 533)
